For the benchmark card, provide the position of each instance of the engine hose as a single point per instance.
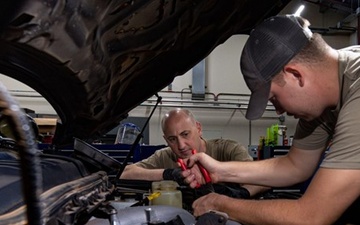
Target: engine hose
(28, 152)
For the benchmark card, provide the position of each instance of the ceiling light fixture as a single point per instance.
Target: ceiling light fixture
(299, 10)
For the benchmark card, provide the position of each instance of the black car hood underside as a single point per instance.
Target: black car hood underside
(95, 60)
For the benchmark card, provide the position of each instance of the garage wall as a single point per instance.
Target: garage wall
(222, 75)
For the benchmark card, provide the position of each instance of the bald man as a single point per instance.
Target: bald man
(183, 133)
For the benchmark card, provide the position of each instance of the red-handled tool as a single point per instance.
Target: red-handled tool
(183, 168)
(182, 164)
(203, 171)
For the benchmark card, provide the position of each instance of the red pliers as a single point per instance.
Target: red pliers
(203, 171)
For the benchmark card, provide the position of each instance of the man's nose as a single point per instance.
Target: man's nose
(279, 110)
(181, 143)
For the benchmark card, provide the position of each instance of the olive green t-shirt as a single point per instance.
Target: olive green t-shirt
(219, 149)
(340, 126)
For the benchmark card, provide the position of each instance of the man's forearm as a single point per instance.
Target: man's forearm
(265, 212)
(138, 173)
(255, 189)
(262, 172)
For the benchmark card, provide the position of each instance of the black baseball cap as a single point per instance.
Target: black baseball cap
(270, 46)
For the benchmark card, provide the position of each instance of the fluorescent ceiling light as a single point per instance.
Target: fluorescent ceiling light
(299, 10)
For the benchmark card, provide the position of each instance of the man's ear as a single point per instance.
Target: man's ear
(294, 72)
(199, 127)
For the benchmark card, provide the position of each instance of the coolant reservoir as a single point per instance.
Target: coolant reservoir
(169, 195)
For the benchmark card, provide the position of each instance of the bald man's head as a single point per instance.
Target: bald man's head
(176, 115)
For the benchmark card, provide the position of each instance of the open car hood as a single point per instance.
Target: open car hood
(95, 60)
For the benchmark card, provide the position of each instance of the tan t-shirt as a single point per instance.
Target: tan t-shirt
(340, 126)
(219, 149)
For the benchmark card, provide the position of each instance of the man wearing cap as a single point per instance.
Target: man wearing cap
(285, 63)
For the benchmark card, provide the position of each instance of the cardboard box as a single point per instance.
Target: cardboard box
(46, 125)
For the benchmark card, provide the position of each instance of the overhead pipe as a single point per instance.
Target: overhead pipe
(178, 100)
(195, 106)
(203, 104)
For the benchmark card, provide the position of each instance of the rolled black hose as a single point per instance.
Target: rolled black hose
(28, 152)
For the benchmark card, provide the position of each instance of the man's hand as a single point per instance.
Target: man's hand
(208, 202)
(173, 174)
(193, 175)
